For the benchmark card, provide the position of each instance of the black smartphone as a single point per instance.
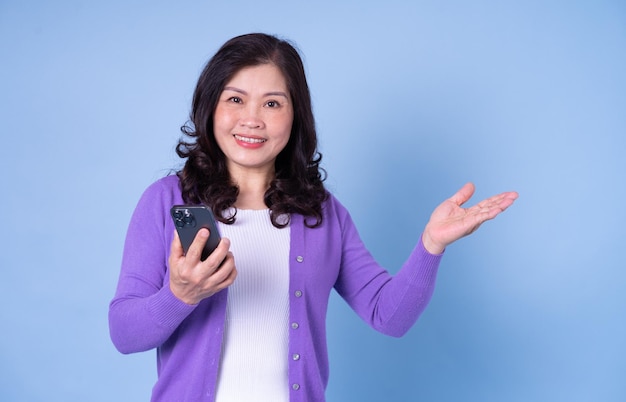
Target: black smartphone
(189, 219)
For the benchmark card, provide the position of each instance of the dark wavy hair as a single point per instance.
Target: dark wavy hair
(298, 183)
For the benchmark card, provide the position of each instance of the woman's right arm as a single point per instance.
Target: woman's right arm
(144, 312)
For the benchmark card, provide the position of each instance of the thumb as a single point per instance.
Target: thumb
(463, 195)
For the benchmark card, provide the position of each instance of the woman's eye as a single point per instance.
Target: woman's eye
(272, 104)
(235, 99)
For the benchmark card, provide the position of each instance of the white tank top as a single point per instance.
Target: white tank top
(254, 359)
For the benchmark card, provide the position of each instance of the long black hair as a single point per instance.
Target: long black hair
(298, 183)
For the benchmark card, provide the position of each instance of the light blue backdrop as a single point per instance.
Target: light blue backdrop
(412, 100)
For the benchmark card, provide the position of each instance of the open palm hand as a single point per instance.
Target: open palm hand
(450, 221)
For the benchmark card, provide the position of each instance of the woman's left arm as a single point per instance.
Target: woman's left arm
(392, 303)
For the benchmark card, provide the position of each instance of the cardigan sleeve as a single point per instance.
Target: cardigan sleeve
(391, 304)
(144, 312)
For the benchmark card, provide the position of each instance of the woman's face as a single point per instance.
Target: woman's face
(253, 119)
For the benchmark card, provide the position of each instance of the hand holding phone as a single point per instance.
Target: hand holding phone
(190, 280)
(188, 220)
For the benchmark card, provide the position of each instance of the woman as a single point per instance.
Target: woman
(248, 323)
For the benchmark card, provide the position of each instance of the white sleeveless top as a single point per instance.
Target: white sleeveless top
(254, 359)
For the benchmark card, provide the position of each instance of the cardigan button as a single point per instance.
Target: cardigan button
(294, 325)
(298, 293)
(299, 258)
(296, 356)
(296, 387)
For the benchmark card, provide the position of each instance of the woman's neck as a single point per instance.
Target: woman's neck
(251, 198)
(252, 187)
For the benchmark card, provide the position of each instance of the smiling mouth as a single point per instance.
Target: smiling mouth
(249, 140)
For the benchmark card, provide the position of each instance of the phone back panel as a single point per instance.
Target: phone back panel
(189, 219)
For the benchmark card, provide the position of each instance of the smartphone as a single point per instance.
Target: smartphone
(189, 219)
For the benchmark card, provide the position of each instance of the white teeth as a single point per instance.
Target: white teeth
(249, 140)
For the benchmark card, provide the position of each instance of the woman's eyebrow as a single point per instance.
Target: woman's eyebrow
(277, 93)
(272, 93)
(234, 89)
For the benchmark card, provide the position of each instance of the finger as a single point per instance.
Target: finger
(225, 269)
(492, 207)
(195, 249)
(226, 275)
(507, 201)
(463, 195)
(232, 275)
(513, 195)
(503, 200)
(222, 285)
(217, 257)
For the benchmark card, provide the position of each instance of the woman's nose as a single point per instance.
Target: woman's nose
(251, 119)
(251, 123)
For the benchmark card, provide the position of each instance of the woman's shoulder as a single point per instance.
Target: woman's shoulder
(334, 208)
(169, 183)
(166, 189)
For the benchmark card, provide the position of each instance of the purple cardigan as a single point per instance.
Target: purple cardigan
(144, 314)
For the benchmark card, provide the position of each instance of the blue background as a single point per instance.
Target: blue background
(412, 100)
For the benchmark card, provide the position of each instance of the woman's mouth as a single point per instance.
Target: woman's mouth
(249, 140)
